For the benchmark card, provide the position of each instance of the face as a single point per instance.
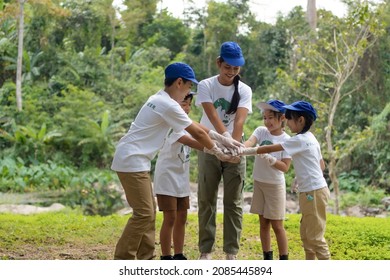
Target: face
(296, 125)
(186, 105)
(184, 88)
(227, 72)
(272, 122)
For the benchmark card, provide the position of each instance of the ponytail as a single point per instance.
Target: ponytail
(236, 96)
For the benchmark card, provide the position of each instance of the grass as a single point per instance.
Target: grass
(71, 235)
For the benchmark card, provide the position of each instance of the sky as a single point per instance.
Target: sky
(265, 10)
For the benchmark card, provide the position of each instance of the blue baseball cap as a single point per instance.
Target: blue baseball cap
(180, 70)
(232, 54)
(302, 106)
(273, 105)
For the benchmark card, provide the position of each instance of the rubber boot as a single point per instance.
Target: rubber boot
(268, 255)
(283, 257)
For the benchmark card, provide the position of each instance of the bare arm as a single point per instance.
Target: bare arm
(322, 164)
(251, 141)
(190, 142)
(283, 164)
(213, 117)
(239, 121)
(200, 135)
(269, 149)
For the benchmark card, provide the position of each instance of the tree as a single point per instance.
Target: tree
(20, 56)
(325, 66)
(311, 14)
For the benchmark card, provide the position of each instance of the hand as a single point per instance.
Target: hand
(234, 146)
(270, 159)
(249, 151)
(218, 153)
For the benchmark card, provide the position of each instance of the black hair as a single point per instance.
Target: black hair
(295, 115)
(169, 81)
(188, 96)
(236, 95)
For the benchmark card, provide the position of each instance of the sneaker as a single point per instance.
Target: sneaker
(231, 257)
(205, 256)
(179, 257)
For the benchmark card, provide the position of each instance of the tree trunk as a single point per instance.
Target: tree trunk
(20, 56)
(332, 153)
(311, 14)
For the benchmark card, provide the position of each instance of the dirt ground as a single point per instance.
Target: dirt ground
(63, 252)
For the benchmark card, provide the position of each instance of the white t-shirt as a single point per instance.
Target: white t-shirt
(306, 154)
(147, 132)
(172, 173)
(262, 171)
(210, 90)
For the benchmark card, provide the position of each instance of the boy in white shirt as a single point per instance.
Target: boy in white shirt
(136, 150)
(172, 187)
(309, 165)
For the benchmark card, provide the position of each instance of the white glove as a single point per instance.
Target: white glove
(218, 153)
(234, 146)
(294, 186)
(249, 151)
(270, 159)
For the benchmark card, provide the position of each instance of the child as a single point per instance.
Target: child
(172, 188)
(269, 188)
(226, 102)
(136, 150)
(309, 165)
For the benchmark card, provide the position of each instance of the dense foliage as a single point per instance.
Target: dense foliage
(88, 68)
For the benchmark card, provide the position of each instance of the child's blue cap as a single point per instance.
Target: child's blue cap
(232, 54)
(302, 106)
(273, 105)
(180, 70)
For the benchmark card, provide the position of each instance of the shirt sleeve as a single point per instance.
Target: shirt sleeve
(293, 145)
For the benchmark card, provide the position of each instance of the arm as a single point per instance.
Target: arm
(200, 135)
(250, 142)
(283, 164)
(213, 117)
(262, 150)
(322, 164)
(239, 121)
(190, 142)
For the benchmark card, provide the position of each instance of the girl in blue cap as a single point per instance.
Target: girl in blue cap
(226, 102)
(309, 165)
(269, 186)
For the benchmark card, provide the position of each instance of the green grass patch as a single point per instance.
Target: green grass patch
(72, 235)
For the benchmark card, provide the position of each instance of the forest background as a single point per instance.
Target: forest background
(87, 69)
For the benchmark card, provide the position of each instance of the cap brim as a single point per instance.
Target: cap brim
(193, 93)
(194, 81)
(265, 106)
(234, 61)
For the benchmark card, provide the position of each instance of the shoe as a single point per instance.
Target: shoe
(179, 257)
(205, 256)
(169, 257)
(231, 257)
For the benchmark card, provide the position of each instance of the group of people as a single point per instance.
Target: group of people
(163, 127)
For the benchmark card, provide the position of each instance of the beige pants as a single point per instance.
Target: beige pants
(137, 240)
(313, 207)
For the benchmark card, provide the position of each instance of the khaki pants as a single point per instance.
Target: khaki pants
(211, 170)
(138, 237)
(313, 222)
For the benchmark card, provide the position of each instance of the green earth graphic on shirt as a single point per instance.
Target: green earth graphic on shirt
(266, 142)
(223, 105)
